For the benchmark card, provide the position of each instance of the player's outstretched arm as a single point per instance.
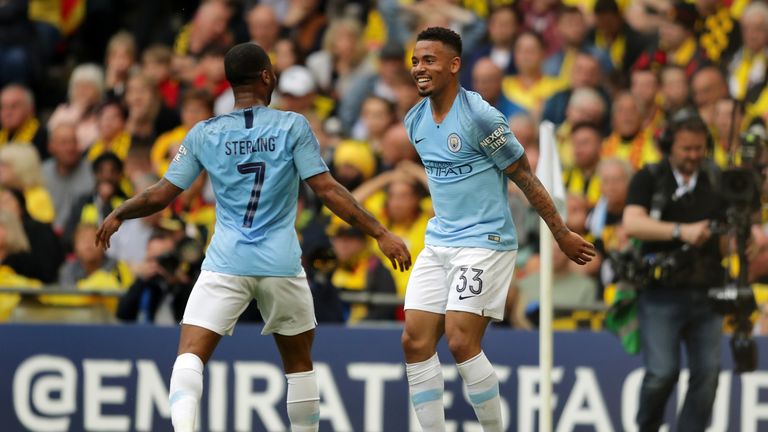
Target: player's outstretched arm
(576, 248)
(151, 200)
(344, 205)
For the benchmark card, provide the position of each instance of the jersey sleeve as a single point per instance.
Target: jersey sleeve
(641, 189)
(306, 150)
(185, 166)
(496, 140)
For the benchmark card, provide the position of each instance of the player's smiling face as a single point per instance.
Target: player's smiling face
(433, 65)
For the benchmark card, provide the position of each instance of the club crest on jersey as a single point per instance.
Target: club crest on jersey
(454, 143)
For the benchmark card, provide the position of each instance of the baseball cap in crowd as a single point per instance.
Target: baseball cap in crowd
(296, 81)
(357, 154)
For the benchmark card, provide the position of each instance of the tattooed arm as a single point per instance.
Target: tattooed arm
(151, 200)
(344, 205)
(575, 247)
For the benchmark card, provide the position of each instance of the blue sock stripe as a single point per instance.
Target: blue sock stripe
(427, 396)
(177, 395)
(478, 398)
(314, 418)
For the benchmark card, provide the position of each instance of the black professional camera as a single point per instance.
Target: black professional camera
(740, 189)
(187, 256)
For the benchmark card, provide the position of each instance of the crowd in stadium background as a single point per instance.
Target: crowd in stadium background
(98, 95)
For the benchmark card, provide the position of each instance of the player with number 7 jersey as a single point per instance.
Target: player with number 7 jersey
(255, 158)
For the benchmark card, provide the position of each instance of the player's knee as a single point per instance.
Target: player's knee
(462, 346)
(414, 345)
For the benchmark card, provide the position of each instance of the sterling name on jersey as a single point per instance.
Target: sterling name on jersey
(464, 157)
(254, 158)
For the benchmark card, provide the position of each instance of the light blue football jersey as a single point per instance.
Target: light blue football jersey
(464, 157)
(254, 157)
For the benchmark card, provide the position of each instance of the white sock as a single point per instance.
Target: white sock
(303, 401)
(483, 389)
(425, 380)
(185, 392)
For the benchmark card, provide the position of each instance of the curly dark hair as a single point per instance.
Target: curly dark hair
(444, 35)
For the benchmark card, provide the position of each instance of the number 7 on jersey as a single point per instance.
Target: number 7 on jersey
(259, 168)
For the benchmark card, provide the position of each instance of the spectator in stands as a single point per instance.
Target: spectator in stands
(210, 71)
(107, 194)
(504, 23)
(359, 270)
(747, 67)
(297, 91)
(582, 179)
(196, 106)
(342, 59)
(263, 28)
(572, 29)
(20, 169)
(66, 174)
(208, 27)
(677, 44)
(675, 89)
(147, 115)
(14, 259)
(644, 86)
(159, 294)
(306, 23)
(628, 140)
(129, 245)
(486, 80)
(86, 90)
(381, 83)
(377, 115)
(45, 251)
(91, 269)
(570, 289)
(156, 63)
(120, 59)
(113, 135)
(18, 123)
(585, 73)
(18, 51)
(604, 221)
(401, 211)
(729, 123)
(396, 147)
(708, 86)
(540, 16)
(353, 163)
(615, 37)
(586, 105)
(287, 54)
(530, 87)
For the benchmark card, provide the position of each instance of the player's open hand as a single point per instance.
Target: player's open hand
(576, 248)
(394, 248)
(107, 228)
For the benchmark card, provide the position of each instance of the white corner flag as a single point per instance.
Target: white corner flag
(549, 172)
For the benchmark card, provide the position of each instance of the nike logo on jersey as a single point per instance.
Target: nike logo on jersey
(463, 297)
(419, 140)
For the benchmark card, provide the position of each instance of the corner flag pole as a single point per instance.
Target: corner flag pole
(549, 172)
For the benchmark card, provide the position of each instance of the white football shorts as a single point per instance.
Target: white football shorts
(218, 300)
(474, 280)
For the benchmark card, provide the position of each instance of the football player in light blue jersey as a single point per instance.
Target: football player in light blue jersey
(460, 280)
(255, 157)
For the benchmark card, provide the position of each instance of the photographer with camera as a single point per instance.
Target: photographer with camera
(669, 209)
(163, 283)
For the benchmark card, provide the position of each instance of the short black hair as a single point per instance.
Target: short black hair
(104, 158)
(244, 63)
(586, 125)
(444, 35)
